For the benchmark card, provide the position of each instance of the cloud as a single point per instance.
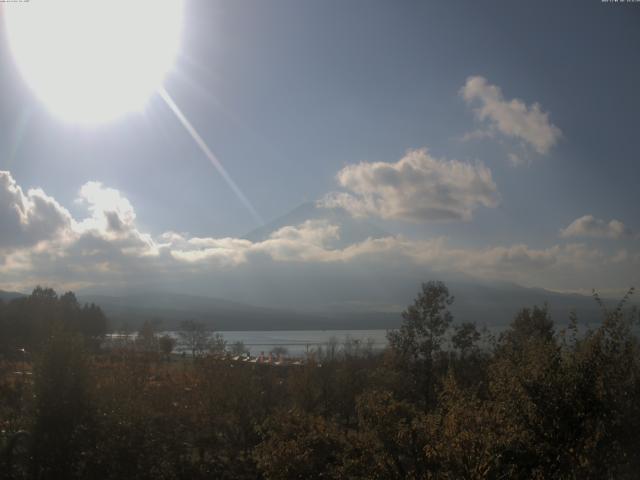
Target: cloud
(417, 188)
(477, 135)
(110, 211)
(27, 219)
(516, 160)
(305, 247)
(108, 249)
(589, 226)
(513, 118)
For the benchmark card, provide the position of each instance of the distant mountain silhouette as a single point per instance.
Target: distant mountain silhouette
(299, 296)
(7, 296)
(352, 230)
(496, 303)
(493, 305)
(170, 309)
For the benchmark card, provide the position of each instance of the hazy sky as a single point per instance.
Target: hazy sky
(492, 139)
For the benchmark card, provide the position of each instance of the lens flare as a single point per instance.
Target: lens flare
(90, 61)
(209, 154)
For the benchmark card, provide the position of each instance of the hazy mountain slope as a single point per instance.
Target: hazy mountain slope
(171, 309)
(486, 304)
(295, 295)
(352, 230)
(491, 304)
(498, 303)
(7, 296)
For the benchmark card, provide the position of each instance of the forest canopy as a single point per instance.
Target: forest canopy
(445, 400)
(27, 322)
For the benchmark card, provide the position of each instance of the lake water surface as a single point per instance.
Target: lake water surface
(297, 342)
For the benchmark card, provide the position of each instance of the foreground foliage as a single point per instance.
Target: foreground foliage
(444, 401)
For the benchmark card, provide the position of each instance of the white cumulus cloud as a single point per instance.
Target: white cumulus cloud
(28, 218)
(416, 188)
(512, 118)
(107, 248)
(590, 226)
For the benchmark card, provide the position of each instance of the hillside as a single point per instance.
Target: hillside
(352, 230)
(485, 304)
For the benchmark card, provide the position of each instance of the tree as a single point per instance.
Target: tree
(167, 343)
(94, 323)
(279, 350)
(194, 336)
(465, 337)
(392, 437)
(301, 445)
(147, 337)
(239, 348)
(416, 345)
(425, 322)
(124, 333)
(217, 344)
(64, 407)
(28, 321)
(529, 325)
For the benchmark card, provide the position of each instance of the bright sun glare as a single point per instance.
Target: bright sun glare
(91, 61)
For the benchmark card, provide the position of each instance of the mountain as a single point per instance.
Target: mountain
(495, 304)
(352, 230)
(333, 295)
(271, 295)
(486, 304)
(170, 309)
(8, 296)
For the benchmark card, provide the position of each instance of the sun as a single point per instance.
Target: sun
(91, 61)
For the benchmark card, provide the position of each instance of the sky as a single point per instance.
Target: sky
(493, 140)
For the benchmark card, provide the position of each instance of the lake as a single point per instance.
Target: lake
(297, 342)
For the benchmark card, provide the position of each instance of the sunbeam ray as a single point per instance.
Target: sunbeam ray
(209, 154)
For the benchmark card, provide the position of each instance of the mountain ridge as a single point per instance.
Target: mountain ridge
(351, 230)
(485, 304)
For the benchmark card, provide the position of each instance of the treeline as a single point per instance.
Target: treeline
(444, 401)
(27, 322)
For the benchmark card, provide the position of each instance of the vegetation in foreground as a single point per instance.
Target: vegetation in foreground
(442, 402)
